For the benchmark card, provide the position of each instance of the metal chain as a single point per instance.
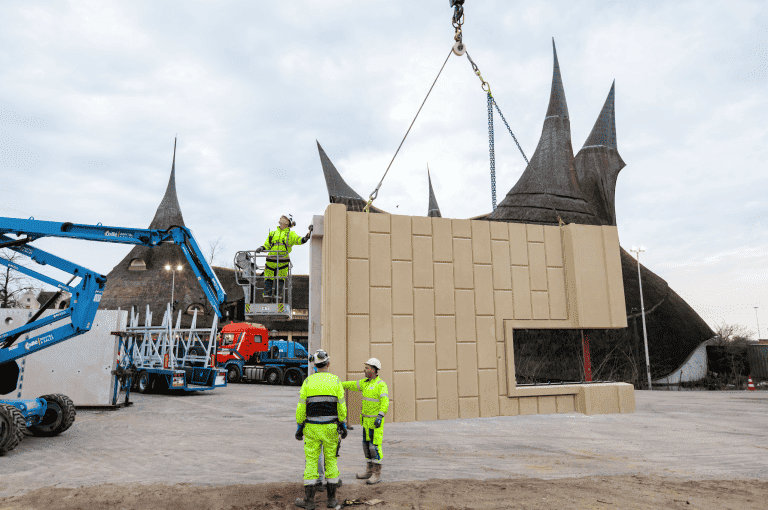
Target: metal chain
(492, 150)
(483, 83)
(510, 130)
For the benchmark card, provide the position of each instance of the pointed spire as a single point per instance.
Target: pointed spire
(604, 131)
(339, 192)
(434, 209)
(557, 104)
(168, 212)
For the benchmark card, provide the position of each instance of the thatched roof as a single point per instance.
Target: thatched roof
(433, 211)
(339, 192)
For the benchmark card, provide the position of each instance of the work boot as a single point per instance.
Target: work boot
(331, 488)
(368, 472)
(309, 498)
(376, 477)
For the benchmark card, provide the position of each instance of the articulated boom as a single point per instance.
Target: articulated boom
(87, 290)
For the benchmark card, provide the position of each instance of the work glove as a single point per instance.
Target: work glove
(259, 249)
(299, 432)
(377, 423)
(343, 430)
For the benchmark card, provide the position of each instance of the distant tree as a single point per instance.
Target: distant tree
(732, 334)
(12, 283)
(216, 248)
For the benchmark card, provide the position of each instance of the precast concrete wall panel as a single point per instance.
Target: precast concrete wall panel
(437, 301)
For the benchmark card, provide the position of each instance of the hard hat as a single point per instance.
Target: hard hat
(374, 363)
(289, 217)
(320, 358)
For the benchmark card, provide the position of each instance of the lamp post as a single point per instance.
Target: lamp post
(173, 279)
(637, 252)
(758, 323)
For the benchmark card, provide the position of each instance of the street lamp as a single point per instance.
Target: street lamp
(173, 278)
(758, 323)
(637, 252)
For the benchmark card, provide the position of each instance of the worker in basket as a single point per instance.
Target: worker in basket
(320, 418)
(278, 245)
(375, 407)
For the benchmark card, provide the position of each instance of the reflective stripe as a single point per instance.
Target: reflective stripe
(371, 399)
(311, 482)
(369, 415)
(384, 395)
(332, 480)
(322, 420)
(358, 385)
(322, 398)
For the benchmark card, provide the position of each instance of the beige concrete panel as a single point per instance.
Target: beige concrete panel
(383, 352)
(558, 306)
(359, 342)
(502, 275)
(463, 275)
(499, 231)
(502, 302)
(537, 269)
(405, 396)
(445, 342)
(481, 242)
(422, 262)
(489, 393)
(534, 233)
(444, 299)
(401, 237)
(381, 261)
(357, 235)
(566, 403)
(424, 315)
(508, 406)
(335, 287)
(442, 240)
(465, 315)
(553, 246)
(501, 368)
(521, 292)
(357, 286)
(604, 399)
(402, 341)
(583, 404)
(486, 342)
(626, 394)
(469, 407)
(421, 225)
(540, 305)
(467, 361)
(379, 223)
(590, 281)
(426, 371)
(462, 228)
(617, 305)
(509, 352)
(518, 244)
(548, 405)
(381, 315)
(447, 395)
(402, 288)
(528, 405)
(426, 410)
(483, 290)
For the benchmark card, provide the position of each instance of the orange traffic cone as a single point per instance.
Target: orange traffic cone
(750, 384)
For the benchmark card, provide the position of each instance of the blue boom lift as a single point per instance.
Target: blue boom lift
(53, 414)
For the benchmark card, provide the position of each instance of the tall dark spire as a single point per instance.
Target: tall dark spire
(598, 163)
(168, 212)
(434, 209)
(557, 103)
(339, 192)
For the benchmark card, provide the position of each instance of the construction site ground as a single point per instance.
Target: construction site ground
(235, 448)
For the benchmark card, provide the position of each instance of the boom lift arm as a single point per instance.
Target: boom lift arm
(87, 291)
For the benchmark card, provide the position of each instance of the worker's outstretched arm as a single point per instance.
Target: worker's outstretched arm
(351, 385)
(341, 405)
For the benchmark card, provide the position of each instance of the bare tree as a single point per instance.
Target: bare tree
(216, 248)
(12, 283)
(731, 334)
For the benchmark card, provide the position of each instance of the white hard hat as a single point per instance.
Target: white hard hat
(320, 358)
(374, 363)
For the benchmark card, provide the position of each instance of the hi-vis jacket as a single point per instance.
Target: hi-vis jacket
(282, 240)
(375, 398)
(321, 400)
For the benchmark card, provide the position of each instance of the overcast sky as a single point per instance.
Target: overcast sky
(93, 93)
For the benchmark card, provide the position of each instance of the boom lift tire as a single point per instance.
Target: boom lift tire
(273, 376)
(294, 377)
(12, 427)
(144, 382)
(233, 374)
(59, 416)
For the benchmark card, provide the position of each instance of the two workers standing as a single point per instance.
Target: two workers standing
(320, 418)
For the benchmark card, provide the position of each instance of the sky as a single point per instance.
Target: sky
(92, 95)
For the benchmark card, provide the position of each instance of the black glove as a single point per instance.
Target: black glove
(299, 432)
(311, 228)
(377, 423)
(259, 249)
(343, 430)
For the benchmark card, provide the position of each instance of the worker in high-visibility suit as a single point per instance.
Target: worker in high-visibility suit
(375, 407)
(320, 418)
(279, 244)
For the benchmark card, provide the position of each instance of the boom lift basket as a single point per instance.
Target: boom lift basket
(249, 272)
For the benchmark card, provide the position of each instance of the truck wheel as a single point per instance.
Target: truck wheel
(59, 416)
(12, 426)
(143, 382)
(233, 374)
(294, 377)
(273, 376)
